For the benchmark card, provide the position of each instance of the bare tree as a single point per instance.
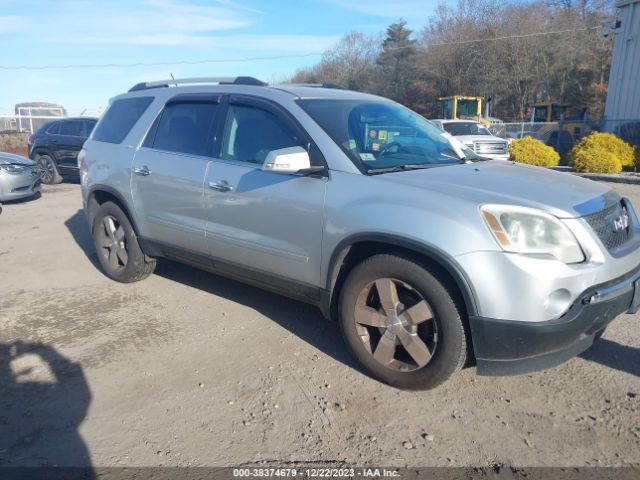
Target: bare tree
(501, 49)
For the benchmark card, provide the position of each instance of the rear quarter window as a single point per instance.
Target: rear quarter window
(120, 119)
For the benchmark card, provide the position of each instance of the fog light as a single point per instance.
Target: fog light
(558, 302)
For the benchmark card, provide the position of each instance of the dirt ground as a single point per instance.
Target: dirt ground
(187, 368)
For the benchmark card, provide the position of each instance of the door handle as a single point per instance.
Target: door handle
(143, 171)
(221, 186)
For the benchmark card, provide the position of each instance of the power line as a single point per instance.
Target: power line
(272, 57)
(156, 64)
(508, 37)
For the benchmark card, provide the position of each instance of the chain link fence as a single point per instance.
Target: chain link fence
(563, 135)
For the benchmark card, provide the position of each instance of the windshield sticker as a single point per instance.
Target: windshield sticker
(373, 134)
(382, 136)
(375, 147)
(367, 157)
(352, 144)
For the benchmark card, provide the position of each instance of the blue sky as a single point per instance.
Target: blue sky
(71, 32)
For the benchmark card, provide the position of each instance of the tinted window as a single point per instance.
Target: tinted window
(88, 127)
(251, 133)
(73, 128)
(186, 128)
(54, 129)
(120, 119)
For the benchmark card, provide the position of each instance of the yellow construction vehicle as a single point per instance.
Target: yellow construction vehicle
(460, 107)
(564, 125)
(556, 112)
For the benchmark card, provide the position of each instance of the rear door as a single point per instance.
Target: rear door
(267, 222)
(67, 143)
(169, 170)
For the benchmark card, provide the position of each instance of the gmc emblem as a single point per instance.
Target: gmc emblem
(621, 222)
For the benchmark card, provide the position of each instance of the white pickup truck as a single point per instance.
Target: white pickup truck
(477, 137)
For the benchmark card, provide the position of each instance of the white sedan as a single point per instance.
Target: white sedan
(19, 177)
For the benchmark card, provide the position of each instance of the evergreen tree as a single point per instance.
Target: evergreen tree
(397, 62)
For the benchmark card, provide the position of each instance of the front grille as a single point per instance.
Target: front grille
(612, 225)
(490, 148)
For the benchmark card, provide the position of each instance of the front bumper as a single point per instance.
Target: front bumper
(16, 187)
(505, 347)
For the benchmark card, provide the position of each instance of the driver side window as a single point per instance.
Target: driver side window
(251, 133)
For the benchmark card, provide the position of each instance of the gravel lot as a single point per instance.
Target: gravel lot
(187, 368)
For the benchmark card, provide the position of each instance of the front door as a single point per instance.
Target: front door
(168, 174)
(267, 222)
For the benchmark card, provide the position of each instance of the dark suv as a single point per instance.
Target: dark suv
(55, 146)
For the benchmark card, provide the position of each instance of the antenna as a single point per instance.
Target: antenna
(173, 78)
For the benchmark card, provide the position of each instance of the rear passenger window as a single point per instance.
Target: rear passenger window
(54, 129)
(120, 118)
(72, 128)
(187, 128)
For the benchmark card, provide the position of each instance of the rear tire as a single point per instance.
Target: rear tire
(48, 170)
(403, 322)
(117, 246)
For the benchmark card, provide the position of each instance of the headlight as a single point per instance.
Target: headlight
(530, 231)
(13, 169)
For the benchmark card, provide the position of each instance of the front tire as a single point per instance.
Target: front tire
(117, 246)
(48, 170)
(403, 322)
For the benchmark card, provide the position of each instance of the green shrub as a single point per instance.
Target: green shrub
(533, 152)
(602, 153)
(595, 161)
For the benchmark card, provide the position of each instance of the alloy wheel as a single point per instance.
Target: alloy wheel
(112, 242)
(46, 169)
(396, 325)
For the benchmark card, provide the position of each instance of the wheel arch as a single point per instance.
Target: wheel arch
(100, 194)
(42, 151)
(354, 249)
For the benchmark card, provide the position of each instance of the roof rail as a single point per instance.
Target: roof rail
(185, 81)
(316, 85)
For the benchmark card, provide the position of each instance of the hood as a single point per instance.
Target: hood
(10, 158)
(479, 138)
(493, 181)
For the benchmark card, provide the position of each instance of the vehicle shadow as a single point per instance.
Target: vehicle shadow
(79, 229)
(71, 179)
(614, 355)
(44, 400)
(304, 321)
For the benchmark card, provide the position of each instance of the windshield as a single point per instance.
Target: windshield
(465, 128)
(381, 135)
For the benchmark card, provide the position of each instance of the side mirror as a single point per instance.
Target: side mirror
(289, 160)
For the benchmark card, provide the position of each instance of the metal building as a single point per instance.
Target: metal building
(623, 97)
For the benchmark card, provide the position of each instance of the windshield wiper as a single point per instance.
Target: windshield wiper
(397, 168)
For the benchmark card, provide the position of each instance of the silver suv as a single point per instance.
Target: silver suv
(429, 257)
